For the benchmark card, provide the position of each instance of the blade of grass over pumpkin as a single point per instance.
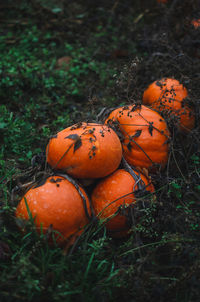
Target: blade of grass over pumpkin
(32, 219)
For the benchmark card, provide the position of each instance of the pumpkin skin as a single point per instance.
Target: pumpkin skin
(58, 203)
(111, 193)
(166, 96)
(145, 136)
(85, 151)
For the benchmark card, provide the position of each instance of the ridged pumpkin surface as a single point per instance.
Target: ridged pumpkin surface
(58, 203)
(167, 95)
(145, 135)
(112, 193)
(85, 150)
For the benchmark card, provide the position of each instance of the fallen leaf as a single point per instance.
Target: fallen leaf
(64, 63)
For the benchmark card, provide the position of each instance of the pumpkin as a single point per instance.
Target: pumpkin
(57, 203)
(195, 23)
(85, 150)
(166, 96)
(114, 195)
(145, 136)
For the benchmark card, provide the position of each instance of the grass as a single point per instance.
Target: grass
(114, 56)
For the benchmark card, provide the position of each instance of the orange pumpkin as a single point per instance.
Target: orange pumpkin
(167, 95)
(57, 202)
(113, 196)
(85, 150)
(196, 23)
(145, 136)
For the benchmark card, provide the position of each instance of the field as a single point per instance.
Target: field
(112, 51)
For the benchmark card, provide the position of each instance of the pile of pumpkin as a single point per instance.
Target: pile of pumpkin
(118, 154)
